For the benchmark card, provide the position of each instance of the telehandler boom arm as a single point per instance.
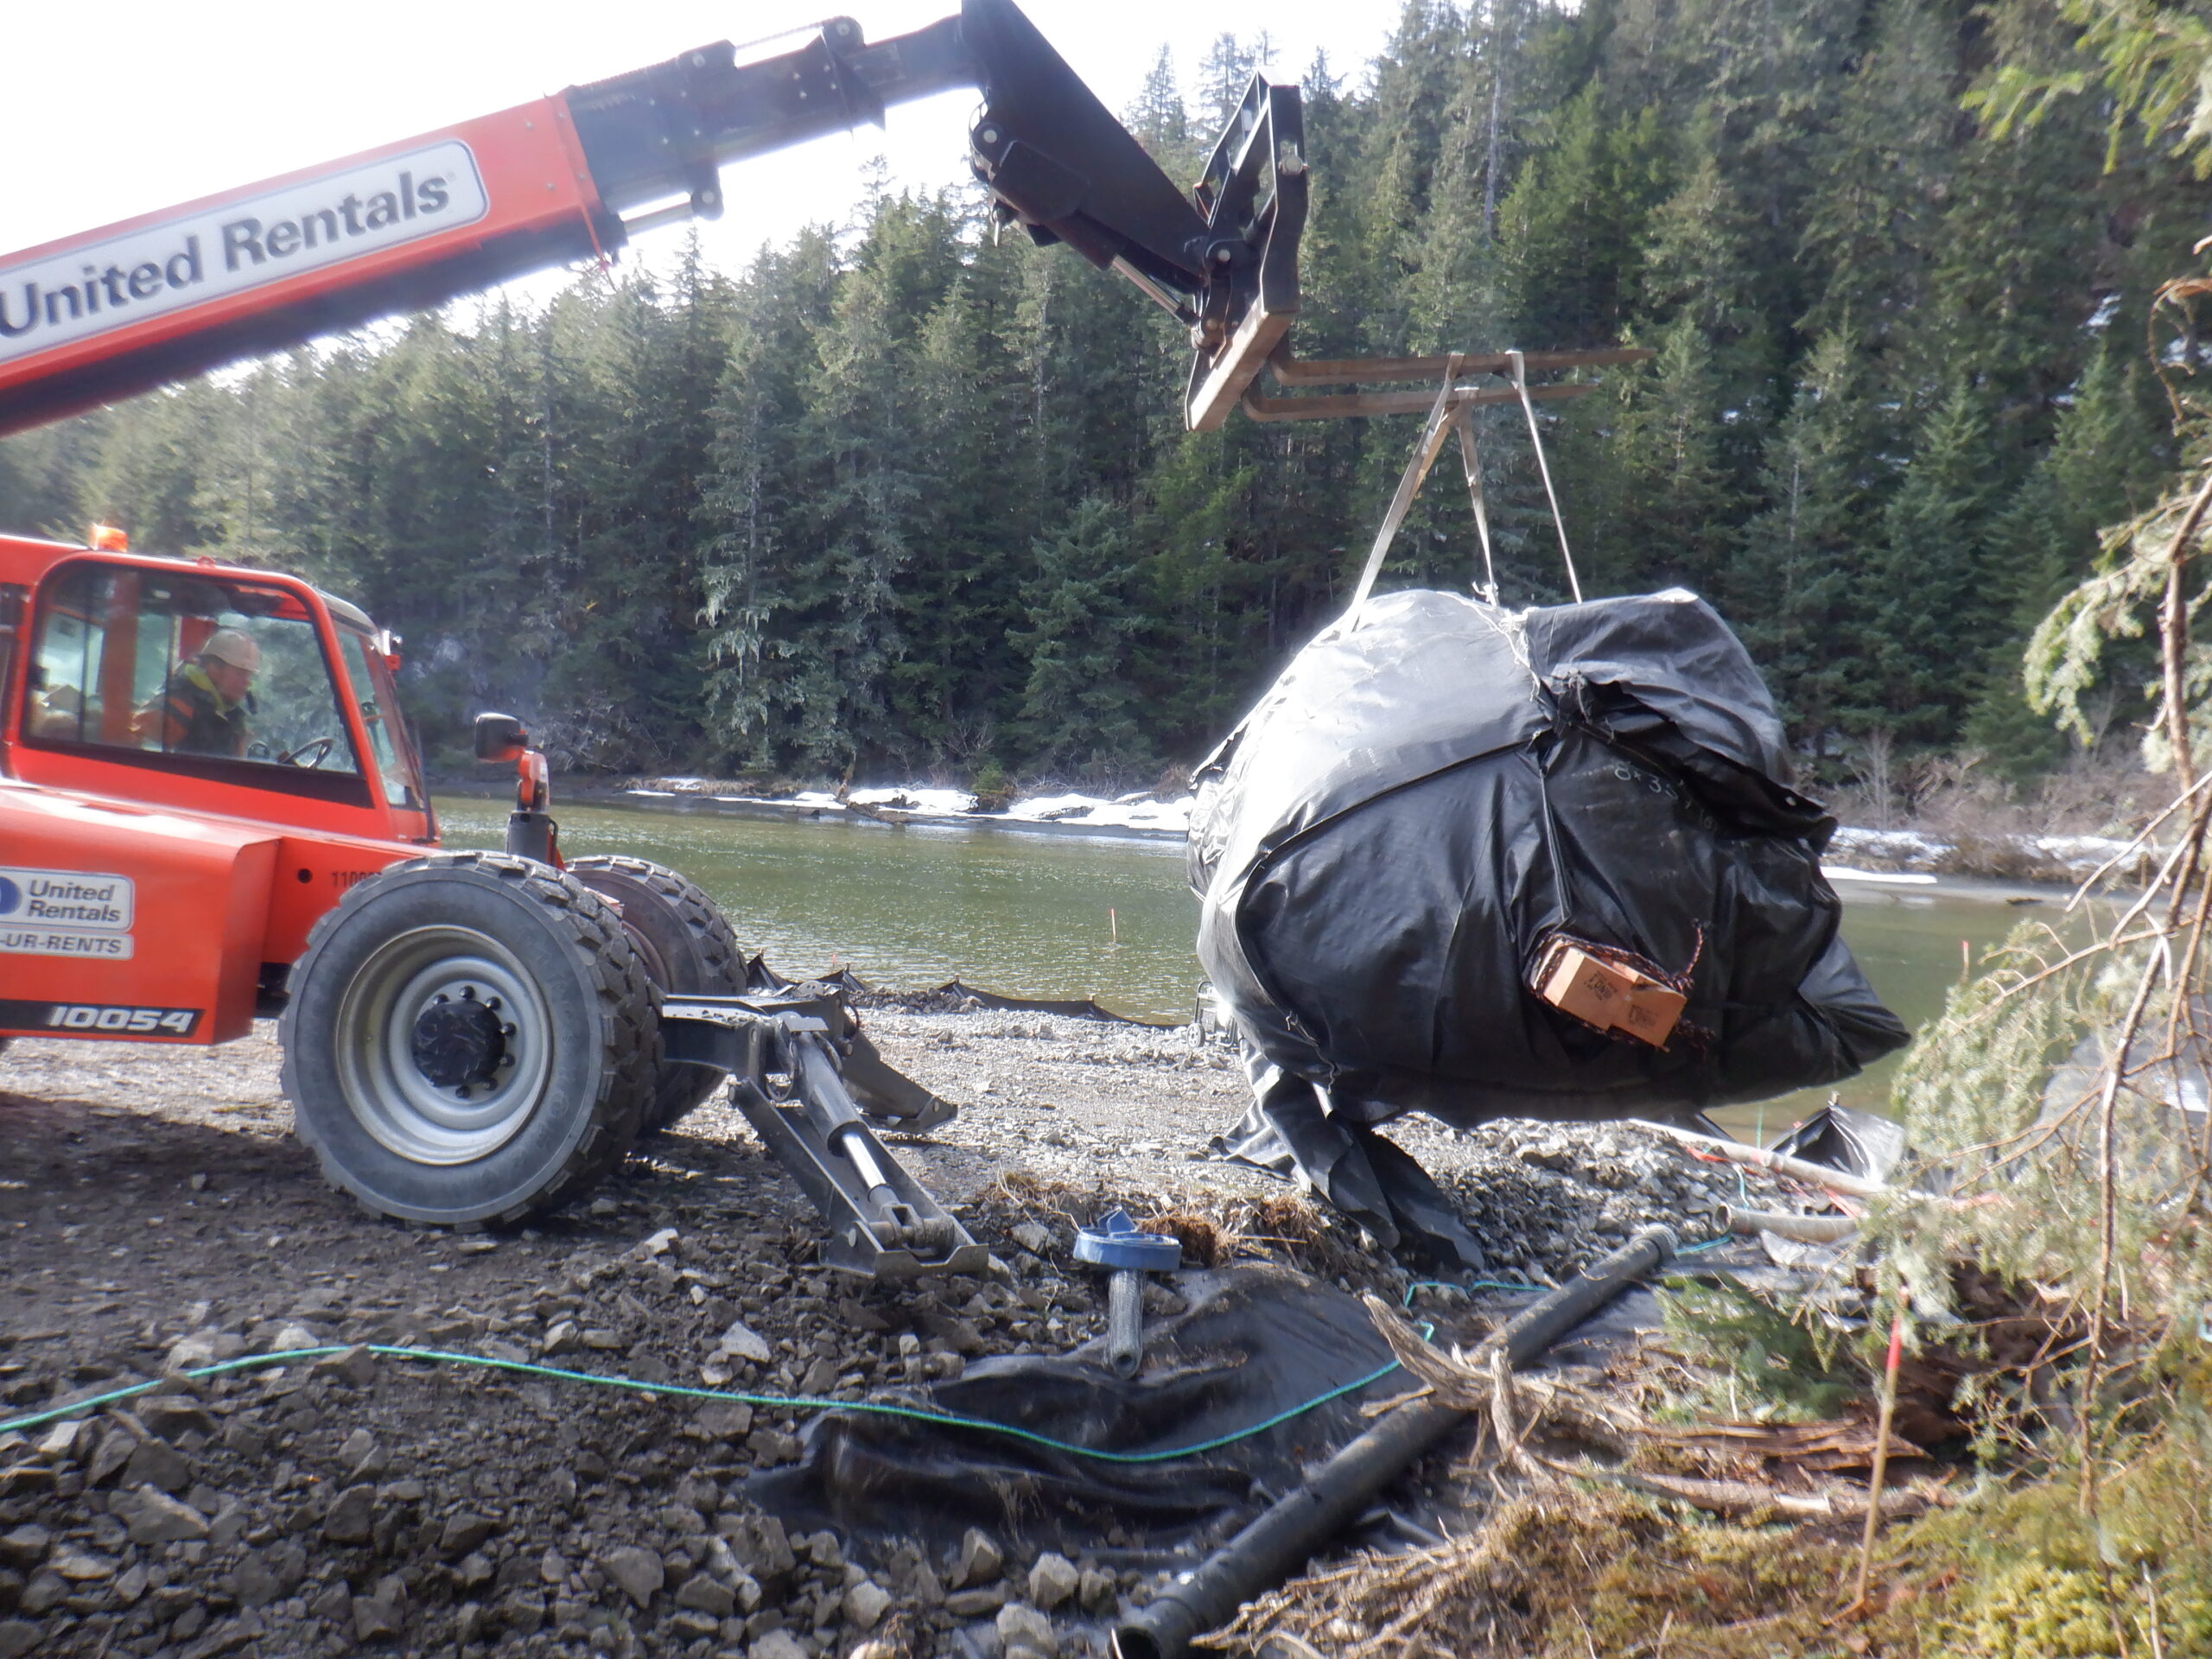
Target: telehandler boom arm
(118, 310)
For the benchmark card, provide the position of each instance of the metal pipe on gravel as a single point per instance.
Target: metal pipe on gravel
(1806, 1230)
(1279, 1541)
(1775, 1163)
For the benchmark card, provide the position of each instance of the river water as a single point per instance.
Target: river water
(1104, 917)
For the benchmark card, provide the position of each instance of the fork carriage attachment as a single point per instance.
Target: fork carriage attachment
(797, 1060)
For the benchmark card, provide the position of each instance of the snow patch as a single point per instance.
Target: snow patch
(1173, 816)
(936, 802)
(1891, 878)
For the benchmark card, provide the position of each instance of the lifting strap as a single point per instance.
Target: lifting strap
(1453, 410)
(1536, 440)
(1472, 464)
(1441, 418)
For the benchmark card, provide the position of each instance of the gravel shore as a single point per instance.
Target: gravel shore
(155, 1211)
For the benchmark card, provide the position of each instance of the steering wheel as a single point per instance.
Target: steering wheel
(310, 755)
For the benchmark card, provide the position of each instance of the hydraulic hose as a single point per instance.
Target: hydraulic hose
(1281, 1539)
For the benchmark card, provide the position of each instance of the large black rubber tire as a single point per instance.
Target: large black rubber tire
(582, 1053)
(689, 950)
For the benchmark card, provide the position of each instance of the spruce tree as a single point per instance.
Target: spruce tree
(1078, 702)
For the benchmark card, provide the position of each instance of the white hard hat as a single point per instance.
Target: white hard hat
(229, 645)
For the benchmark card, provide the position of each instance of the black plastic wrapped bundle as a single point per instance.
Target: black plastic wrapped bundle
(1424, 803)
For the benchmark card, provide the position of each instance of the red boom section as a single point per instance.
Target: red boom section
(101, 315)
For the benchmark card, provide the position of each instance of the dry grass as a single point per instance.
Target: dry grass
(1569, 1574)
(1215, 1230)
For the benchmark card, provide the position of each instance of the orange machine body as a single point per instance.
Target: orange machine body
(95, 316)
(148, 898)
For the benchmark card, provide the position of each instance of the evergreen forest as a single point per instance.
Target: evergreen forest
(907, 497)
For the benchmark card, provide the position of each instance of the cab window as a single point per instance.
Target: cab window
(379, 704)
(177, 664)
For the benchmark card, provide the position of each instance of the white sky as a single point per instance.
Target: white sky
(130, 106)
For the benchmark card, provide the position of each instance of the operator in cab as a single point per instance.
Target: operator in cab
(203, 710)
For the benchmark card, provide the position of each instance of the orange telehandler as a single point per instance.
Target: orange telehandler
(210, 809)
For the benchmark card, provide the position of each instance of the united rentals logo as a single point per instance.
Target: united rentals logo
(65, 913)
(236, 246)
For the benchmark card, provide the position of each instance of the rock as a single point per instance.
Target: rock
(702, 1594)
(474, 1570)
(1053, 1580)
(26, 1545)
(190, 1622)
(760, 1546)
(43, 1593)
(154, 1517)
(252, 1582)
(1023, 1630)
(980, 1561)
(822, 1550)
(638, 1571)
(156, 1463)
(959, 1336)
(523, 1612)
(821, 1377)
(560, 1338)
(858, 1316)
(725, 1420)
(741, 1341)
(17, 1637)
(115, 1449)
(334, 1602)
(776, 1644)
(293, 1337)
(771, 1445)
(355, 1448)
(1098, 1593)
(463, 1531)
(203, 1348)
(356, 1365)
(289, 1561)
(659, 1243)
(173, 1416)
(24, 1478)
(244, 1438)
(553, 1568)
(875, 1650)
(81, 1565)
(353, 1516)
(60, 1444)
(374, 1619)
(866, 1603)
(1033, 1237)
(131, 1583)
(976, 1604)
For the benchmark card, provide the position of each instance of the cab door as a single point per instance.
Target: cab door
(196, 688)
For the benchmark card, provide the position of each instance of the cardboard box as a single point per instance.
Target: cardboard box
(1607, 994)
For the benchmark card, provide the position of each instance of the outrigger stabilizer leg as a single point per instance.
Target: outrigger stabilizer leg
(787, 1053)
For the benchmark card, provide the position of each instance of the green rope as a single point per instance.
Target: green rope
(769, 1401)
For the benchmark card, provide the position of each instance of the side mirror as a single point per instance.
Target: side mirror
(500, 738)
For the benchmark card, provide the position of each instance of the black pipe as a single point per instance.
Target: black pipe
(1280, 1541)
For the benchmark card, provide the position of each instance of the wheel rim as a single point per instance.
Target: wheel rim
(408, 1091)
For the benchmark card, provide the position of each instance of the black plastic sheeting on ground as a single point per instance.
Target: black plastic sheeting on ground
(1421, 806)
(1254, 1341)
(951, 997)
